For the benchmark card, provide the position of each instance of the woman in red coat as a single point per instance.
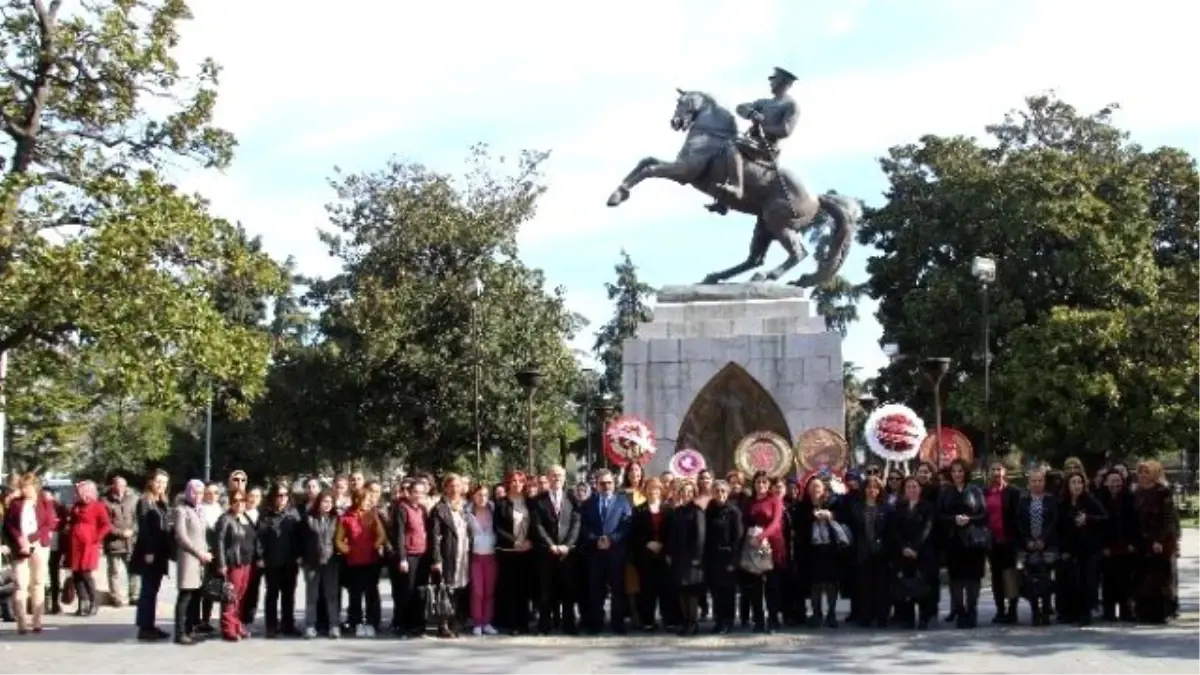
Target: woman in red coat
(87, 526)
(763, 517)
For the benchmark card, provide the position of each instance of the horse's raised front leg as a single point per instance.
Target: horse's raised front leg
(683, 171)
(796, 253)
(759, 243)
(633, 178)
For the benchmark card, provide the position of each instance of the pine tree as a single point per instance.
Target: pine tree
(630, 296)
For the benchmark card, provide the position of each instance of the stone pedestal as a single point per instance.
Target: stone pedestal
(719, 362)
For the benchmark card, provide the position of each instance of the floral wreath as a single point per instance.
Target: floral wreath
(834, 477)
(894, 433)
(687, 463)
(629, 440)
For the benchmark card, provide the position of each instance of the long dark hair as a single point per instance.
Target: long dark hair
(315, 509)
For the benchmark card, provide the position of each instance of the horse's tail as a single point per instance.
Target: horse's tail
(845, 212)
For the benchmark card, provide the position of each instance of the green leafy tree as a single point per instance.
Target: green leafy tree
(1093, 313)
(100, 255)
(397, 321)
(630, 297)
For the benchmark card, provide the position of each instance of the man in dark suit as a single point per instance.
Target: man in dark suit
(605, 524)
(556, 529)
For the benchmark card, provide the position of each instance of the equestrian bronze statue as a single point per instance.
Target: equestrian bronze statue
(741, 174)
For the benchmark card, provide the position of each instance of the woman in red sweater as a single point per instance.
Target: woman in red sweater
(763, 517)
(87, 526)
(361, 538)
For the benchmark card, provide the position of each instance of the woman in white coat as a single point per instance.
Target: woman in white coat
(191, 539)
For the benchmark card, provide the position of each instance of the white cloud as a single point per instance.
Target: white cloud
(595, 84)
(1091, 58)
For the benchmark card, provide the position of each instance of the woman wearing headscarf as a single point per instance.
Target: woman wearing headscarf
(87, 526)
(191, 540)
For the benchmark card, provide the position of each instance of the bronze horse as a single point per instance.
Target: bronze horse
(783, 206)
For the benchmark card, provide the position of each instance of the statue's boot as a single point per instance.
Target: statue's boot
(727, 193)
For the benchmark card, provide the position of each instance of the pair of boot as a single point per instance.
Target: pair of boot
(1006, 612)
(690, 607)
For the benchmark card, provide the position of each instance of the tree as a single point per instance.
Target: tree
(1093, 313)
(837, 299)
(397, 321)
(630, 296)
(99, 255)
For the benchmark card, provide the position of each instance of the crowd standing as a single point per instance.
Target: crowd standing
(536, 555)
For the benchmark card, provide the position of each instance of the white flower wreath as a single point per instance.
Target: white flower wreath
(894, 432)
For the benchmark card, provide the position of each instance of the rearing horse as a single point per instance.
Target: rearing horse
(781, 203)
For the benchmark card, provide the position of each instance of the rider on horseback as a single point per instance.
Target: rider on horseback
(773, 120)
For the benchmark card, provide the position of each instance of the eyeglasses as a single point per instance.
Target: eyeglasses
(606, 482)
(239, 501)
(237, 479)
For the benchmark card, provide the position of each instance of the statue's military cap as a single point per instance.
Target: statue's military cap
(784, 75)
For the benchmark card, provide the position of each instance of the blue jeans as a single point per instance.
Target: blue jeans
(147, 604)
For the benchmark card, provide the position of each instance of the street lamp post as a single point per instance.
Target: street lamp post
(984, 269)
(867, 403)
(603, 410)
(530, 379)
(589, 375)
(476, 294)
(208, 439)
(935, 368)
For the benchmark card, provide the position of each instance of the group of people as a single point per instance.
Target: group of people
(535, 554)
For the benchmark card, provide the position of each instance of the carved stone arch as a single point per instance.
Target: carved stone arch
(729, 406)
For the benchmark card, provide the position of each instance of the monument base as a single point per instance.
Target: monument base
(719, 362)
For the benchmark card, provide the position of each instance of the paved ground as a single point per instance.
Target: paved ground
(105, 645)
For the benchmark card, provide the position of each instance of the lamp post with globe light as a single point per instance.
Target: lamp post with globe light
(530, 379)
(476, 291)
(935, 368)
(984, 269)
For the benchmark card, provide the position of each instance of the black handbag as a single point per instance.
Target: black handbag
(909, 588)
(439, 602)
(976, 537)
(217, 589)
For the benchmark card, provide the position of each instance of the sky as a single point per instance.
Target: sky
(308, 88)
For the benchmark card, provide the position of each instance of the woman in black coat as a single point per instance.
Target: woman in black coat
(816, 543)
(685, 556)
(962, 512)
(1037, 544)
(1079, 536)
(647, 553)
(1117, 539)
(914, 557)
(724, 531)
(868, 520)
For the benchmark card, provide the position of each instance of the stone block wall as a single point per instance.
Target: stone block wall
(778, 342)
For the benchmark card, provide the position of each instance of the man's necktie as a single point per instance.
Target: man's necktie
(603, 509)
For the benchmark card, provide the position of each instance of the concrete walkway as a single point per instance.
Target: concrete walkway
(105, 644)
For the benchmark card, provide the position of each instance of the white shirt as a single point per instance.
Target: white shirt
(556, 499)
(212, 513)
(29, 526)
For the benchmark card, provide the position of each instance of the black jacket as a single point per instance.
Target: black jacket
(1118, 533)
(443, 540)
(723, 540)
(685, 545)
(318, 540)
(913, 527)
(279, 537)
(1087, 539)
(1010, 499)
(236, 542)
(952, 503)
(550, 530)
(154, 538)
(1050, 527)
(856, 519)
(642, 533)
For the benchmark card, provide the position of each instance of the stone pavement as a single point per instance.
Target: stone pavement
(104, 644)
